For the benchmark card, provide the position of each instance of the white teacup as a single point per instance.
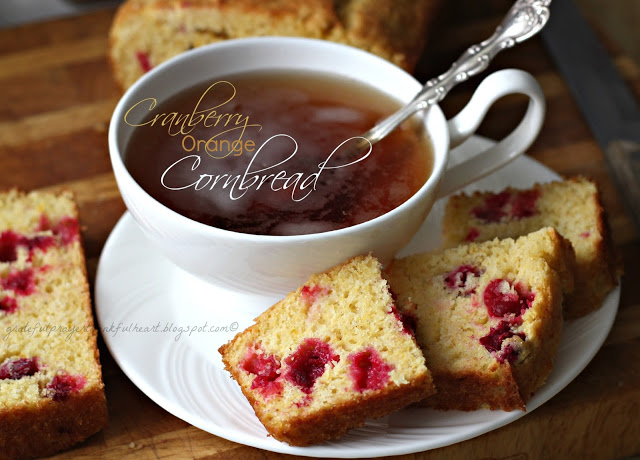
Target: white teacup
(272, 265)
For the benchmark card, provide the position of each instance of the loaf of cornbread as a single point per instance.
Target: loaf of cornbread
(330, 355)
(51, 390)
(572, 206)
(147, 32)
(488, 316)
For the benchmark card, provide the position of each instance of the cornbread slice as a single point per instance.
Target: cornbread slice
(488, 316)
(51, 390)
(147, 32)
(328, 356)
(571, 206)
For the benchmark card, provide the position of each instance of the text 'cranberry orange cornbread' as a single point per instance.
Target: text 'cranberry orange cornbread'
(488, 316)
(571, 206)
(330, 355)
(147, 32)
(51, 390)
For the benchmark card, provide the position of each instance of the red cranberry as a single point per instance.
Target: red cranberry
(308, 363)
(493, 209)
(585, 234)
(64, 384)
(406, 319)
(310, 294)
(143, 60)
(525, 294)
(18, 368)
(460, 279)
(472, 235)
(8, 304)
(20, 281)
(493, 342)
(45, 223)
(508, 353)
(368, 370)
(9, 242)
(67, 229)
(501, 300)
(515, 206)
(266, 369)
(39, 242)
(523, 204)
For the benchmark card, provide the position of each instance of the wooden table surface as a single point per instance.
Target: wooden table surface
(56, 100)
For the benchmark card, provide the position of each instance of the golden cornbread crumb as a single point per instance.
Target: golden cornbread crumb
(480, 351)
(45, 320)
(147, 32)
(347, 315)
(572, 206)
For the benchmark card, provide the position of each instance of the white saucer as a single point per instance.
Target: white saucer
(137, 288)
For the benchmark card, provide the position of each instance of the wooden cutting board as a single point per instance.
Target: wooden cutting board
(56, 100)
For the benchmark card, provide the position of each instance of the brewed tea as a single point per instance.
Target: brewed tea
(268, 153)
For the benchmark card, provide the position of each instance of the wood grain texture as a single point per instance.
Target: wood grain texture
(55, 107)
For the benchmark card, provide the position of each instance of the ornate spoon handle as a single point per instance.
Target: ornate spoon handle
(524, 19)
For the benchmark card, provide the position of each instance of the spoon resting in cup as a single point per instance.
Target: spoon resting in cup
(525, 19)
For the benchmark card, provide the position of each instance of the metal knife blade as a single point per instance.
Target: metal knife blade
(604, 99)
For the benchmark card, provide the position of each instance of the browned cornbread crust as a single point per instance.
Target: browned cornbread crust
(451, 321)
(160, 29)
(350, 311)
(32, 424)
(47, 428)
(469, 391)
(342, 417)
(574, 208)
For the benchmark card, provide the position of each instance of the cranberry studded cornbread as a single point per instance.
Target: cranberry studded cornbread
(330, 355)
(571, 206)
(51, 390)
(147, 32)
(488, 316)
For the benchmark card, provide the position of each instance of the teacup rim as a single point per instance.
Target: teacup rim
(433, 111)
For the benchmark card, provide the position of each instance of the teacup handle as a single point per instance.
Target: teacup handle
(467, 121)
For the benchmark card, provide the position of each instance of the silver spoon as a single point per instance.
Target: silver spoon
(525, 19)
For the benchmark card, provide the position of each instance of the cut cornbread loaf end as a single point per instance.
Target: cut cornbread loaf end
(51, 390)
(488, 317)
(328, 356)
(145, 33)
(572, 206)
